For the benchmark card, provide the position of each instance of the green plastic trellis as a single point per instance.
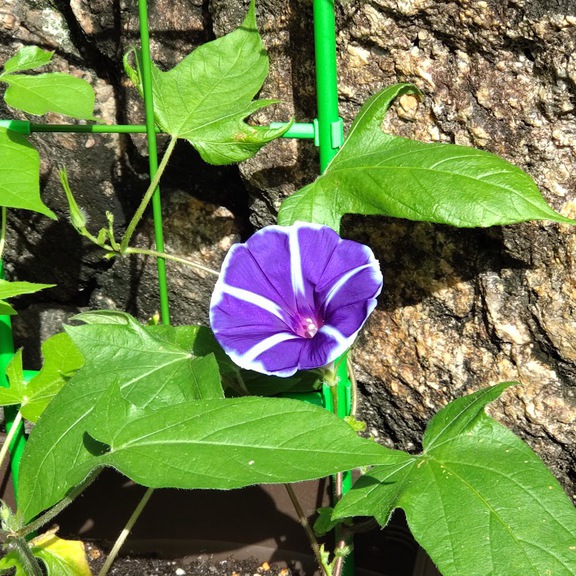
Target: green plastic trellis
(6, 353)
(326, 130)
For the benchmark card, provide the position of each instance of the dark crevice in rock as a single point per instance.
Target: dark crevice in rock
(208, 22)
(567, 372)
(109, 67)
(220, 185)
(92, 57)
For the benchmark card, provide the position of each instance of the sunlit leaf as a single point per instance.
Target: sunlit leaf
(11, 289)
(16, 391)
(151, 368)
(375, 173)
(61, 361)
(223, 444)
(20, 174)
(27, 58)
(478, 499)
(50, 92)
(146, 365)
(207, 96)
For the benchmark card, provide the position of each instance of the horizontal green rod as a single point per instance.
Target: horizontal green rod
(297, 130)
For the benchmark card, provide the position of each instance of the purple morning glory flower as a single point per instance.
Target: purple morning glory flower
(293, 298)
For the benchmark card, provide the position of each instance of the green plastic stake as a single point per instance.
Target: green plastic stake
(301, 130)
(153, 158)
(297, 130)
(329, 121)
(6, 354)
(20, 126)
(330, 138)
(329, 126)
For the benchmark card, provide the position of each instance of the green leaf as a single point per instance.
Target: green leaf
(146, 366)
(20, 174)
(61, 361)
(478, 499)
(61, 557)
(456, 417)
(206, 97)
(6, 309)
(257, 384)
(50, 92)
(150, 367)
(27, 58)
(11, 289)
(376, 173)
(12, 561)
(104, 317)
(264, 385)
(324, 523)
(17, 385)
(223, 444)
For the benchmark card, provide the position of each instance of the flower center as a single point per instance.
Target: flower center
(308, 327)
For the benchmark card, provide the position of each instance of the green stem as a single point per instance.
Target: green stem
(148, 196)
(166, 256)
(10, 436)
(124, 534)
(353, 384)
(338, 480)
(29, 562)
(55, 510)
(326, 570)
(3, 218)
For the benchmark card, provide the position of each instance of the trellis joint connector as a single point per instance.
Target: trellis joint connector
(336, 133)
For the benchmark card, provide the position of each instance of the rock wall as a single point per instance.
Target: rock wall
(461, 308)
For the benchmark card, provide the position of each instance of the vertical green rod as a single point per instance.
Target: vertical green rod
(329, 132)
(153, 158)
(6, 354)
(326, 79)
(329, 123)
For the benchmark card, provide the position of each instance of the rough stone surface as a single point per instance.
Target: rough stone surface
(461, 308)
(196, 231)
